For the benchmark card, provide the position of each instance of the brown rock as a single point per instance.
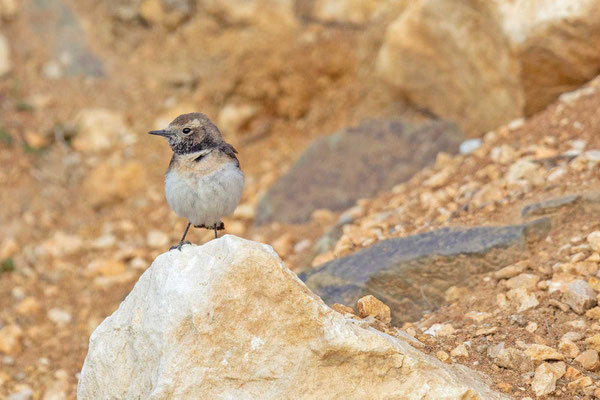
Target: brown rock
(106, 267)
(579, 296)
(593, 313)
(594, 240)
(557, 43)
(540, 352)
(510, 271)
(525, 281)
(371, 306)
(106, 184)
(442, 356)
(28, 306)
(342, 309)
(424, 55)
(460, 351)
(10, 339)
(593, 342)
(568, 348)
(582, 382)
(588, 359)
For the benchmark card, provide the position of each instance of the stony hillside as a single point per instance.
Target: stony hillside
(352, 132)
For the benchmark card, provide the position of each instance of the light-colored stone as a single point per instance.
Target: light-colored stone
(541, 352)
(357, 12)
(514, 359)
(157, 239)
(460, 351)
(524, 170)
(594, 240)
(59, 316)
(106, 267)
(228, 320)
(522, 298)
(546, 375)
(5, 60)
(568, 348)
(268, 13)
(101, 129)
(9, 8)
(510, 271)
(372, 306)
(593, 342)
(557, 42)
(62, 244)
(424, 54)
(588, 359)
(233, 117)
(525, 281)
(157, 12)
(106, 184)
(593, 313)
(23, 392)
(28, 306)
(579, 296)
(342, 309)
(10, 339)
(439, 179)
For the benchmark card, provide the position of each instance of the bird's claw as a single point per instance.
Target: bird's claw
(179, 246)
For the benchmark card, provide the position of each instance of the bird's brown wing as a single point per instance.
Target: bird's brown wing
(229, 150)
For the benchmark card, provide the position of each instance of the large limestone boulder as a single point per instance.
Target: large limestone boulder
(452, 58)
(228, 321)
(558, 44)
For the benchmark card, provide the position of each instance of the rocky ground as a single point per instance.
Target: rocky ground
(84, 215)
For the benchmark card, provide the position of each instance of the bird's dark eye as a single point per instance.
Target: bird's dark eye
(186, 131)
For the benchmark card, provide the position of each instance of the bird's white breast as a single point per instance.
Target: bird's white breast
(204, 200)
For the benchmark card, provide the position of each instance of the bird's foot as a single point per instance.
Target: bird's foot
(220, 226)
(179, 246)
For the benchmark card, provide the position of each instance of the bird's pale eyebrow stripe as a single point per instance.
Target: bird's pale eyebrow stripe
(194, 123)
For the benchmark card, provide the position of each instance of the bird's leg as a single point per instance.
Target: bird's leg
(182, 241)
(218, 227)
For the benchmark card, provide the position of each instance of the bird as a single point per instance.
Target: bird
(204, 181)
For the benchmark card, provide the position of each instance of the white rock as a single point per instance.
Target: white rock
(524, 170)
(470, 145)
(580, 296)
(25, 393)
(5, 61)
(157, 239)
(594, 240)
(233, 117)
(59, 316)
(545, 378)
(101, 129)
(228, 320)
(348, 11)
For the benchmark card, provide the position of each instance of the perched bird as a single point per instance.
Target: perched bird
(204, 181)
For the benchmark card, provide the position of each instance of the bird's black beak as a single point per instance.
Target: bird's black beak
(161, 132)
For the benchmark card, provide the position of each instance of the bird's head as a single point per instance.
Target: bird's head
(190, 133)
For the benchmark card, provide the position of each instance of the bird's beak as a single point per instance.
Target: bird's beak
(161, 132)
